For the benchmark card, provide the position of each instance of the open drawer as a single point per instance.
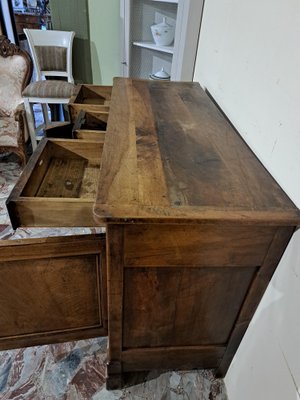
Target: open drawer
(90, 125)
(58, 185)
(52, 290)
(90, 98)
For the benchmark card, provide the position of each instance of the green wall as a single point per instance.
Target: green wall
(72, 15)
(104, 17)
(96, 50)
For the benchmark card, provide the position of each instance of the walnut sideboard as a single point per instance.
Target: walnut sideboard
(195, 228)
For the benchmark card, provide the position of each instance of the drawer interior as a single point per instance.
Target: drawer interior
(59, 131)
(58, 185)
(90, 98)
(90, 126)
(90, 94)
(65, 170)
(95, 120)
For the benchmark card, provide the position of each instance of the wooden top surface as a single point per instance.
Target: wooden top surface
(171, 156)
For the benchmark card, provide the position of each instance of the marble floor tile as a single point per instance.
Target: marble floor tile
(76, 370)
(9, 173)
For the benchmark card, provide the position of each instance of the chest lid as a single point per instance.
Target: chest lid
(172, 156)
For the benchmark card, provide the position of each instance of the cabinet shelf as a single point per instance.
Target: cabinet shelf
(153, 46)
(141, 57)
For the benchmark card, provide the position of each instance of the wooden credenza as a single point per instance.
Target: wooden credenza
(30, 21)
(195, 228)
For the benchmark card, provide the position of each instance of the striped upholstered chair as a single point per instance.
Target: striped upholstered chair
(15, 73)
(52, 58)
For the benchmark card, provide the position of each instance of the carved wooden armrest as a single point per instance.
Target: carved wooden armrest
(19, 113)
(20, 118)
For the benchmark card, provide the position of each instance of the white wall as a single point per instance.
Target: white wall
(249, 59)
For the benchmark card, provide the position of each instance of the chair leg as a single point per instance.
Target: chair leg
(30, 123)
(45, 114)
(66, 112)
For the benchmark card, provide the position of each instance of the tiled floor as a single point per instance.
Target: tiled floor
(76, 370)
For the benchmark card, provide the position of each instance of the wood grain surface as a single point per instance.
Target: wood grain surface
(52, 289)
(178, 158)
(195, 245)
(182, 306)
(89, 98)
(196, 227)
(58, 185)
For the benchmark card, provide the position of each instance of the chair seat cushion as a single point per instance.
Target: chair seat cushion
(9, 132)
(49, 89)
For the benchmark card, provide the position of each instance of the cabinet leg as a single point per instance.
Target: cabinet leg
(114, 376)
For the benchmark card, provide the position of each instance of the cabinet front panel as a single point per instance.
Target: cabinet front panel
(182, 306)
(49, 294)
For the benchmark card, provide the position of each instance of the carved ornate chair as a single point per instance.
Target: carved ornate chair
(15, 73)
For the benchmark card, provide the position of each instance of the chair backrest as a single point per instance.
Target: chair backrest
(15, 73)
(51, 52)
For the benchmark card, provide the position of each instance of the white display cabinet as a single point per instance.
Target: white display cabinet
(141, 57)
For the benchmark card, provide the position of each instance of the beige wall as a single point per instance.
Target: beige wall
(105, 35)
(249, 59)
